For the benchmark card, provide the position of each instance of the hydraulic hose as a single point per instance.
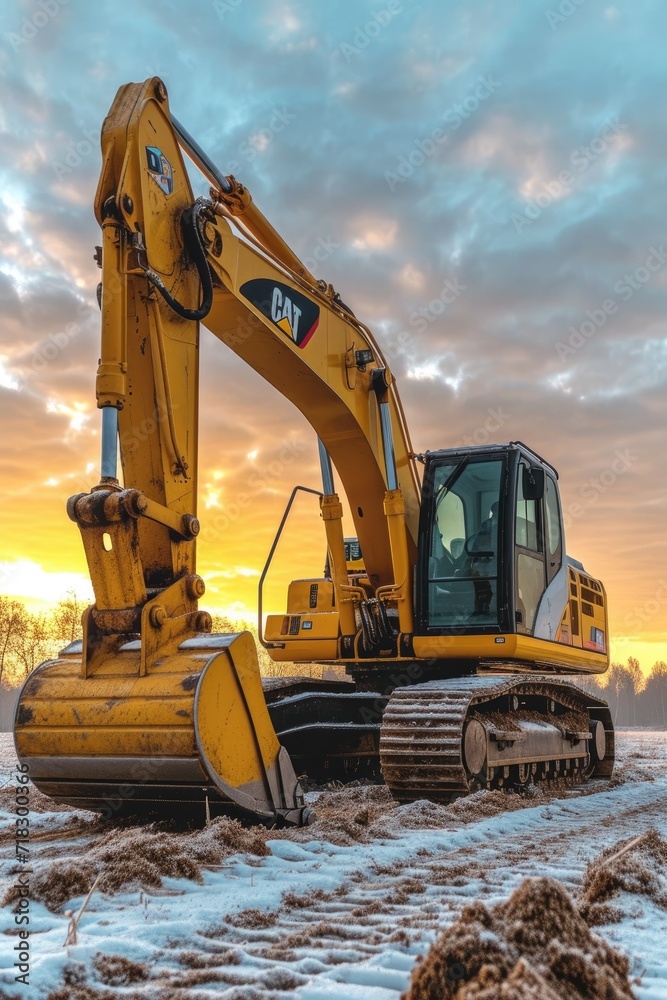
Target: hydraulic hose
(196, 251)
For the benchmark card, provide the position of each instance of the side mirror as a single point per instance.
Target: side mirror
(533, 483)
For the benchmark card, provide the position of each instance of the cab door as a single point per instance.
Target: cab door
(530, 574)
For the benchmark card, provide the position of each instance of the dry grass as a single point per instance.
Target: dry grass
(425, 815)
(303, 900)
(536, 946)
(486, 804)
(631, 772)
(641, 871)
(143, 857)
(284, 979)
(345, 815)
(200, 960)
(253, 919)
(83, 991)
(115, 970)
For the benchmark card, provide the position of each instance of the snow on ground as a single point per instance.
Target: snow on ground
(343, 908)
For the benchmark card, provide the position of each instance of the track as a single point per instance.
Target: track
(447, 738)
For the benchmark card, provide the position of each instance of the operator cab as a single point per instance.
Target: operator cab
(491, 540)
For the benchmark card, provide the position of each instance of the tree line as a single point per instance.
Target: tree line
(27, 639)
(634, 698)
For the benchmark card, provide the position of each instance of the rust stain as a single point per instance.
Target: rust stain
(25, 715)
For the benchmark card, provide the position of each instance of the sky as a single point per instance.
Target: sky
(484, 183)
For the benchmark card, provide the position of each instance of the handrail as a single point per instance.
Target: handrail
(267, 564)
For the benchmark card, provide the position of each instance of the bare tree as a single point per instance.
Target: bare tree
(637, 680)
(66, 619)
(653, 699)
(12, 623)
(34, 643)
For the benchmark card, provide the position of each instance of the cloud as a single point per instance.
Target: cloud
(230, 70)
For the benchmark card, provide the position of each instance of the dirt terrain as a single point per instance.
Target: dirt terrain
(343, 908)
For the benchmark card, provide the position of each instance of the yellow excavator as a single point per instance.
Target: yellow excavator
(454, 608)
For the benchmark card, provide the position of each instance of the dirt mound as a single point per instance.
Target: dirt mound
(345, 815)
(142, 856)
(536, 946)
(419, 815)
(487, 804)
(637, 865)
(425, 815)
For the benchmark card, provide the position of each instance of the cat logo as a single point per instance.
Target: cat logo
(292, 313)
(159, 168)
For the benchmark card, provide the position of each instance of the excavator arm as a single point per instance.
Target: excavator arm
(148, 680)
(163, 253)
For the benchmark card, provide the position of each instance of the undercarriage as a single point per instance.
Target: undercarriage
(445, 738)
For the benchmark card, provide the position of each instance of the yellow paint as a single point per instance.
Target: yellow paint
(198, 704)
(513, 647)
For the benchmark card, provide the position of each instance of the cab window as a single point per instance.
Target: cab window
(554, 536)
(463, 563)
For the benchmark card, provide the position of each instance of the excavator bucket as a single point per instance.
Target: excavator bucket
(191, 733)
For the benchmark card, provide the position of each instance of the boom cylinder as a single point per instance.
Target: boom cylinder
(388, 445)
(111, 382)
(109, 463)
(327, 471)
(394, 508)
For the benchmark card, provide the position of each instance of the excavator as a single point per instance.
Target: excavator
(454, 608)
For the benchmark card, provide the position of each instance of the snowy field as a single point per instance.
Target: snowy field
(339, 910)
